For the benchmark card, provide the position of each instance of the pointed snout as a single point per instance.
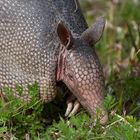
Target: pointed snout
(92, 102)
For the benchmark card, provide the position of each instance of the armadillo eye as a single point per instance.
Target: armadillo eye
(70, 77)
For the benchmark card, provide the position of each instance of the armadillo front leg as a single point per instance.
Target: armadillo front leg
(47, 90)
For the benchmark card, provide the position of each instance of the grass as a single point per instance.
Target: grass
(119, 52)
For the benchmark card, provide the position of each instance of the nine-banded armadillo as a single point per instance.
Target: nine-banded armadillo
(47, 41)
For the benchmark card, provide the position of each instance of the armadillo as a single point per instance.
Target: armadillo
(47, 41)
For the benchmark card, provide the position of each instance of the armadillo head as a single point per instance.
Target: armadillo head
(79, 67)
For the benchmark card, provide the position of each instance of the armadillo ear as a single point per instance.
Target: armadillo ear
(64, 35)
(94, 33)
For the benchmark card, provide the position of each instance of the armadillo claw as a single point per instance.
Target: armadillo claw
(75, 108)
(72, 108)
(69, 108)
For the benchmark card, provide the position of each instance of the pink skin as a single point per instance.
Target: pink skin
(79, 68)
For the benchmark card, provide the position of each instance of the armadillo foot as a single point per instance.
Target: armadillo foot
(73, 106)
(75, 109)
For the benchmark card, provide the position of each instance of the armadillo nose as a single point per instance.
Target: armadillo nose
(104, 118)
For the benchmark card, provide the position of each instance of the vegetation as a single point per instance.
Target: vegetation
(119, 52)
